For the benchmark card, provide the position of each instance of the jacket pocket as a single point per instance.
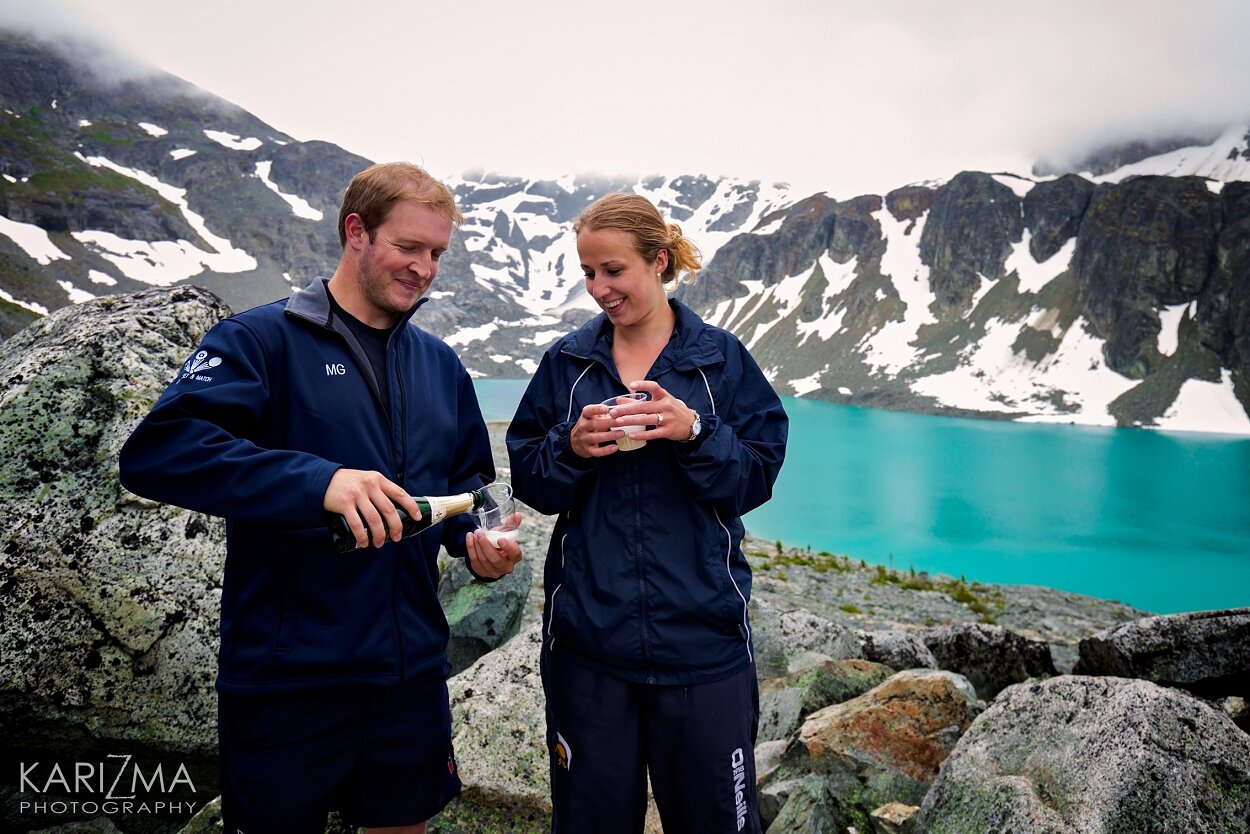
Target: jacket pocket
(558, 603)
(731, 602)
(568, 620)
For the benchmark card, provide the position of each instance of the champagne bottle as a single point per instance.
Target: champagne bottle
(434, 508)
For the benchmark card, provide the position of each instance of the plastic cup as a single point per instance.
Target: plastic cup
(627, 443)
(498, 517)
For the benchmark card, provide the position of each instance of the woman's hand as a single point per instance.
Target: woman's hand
(666, 415)
(593, 428)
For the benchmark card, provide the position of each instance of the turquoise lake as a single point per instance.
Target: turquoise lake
(1160, 521)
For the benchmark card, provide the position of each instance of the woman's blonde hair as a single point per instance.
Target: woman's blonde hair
(636, 215)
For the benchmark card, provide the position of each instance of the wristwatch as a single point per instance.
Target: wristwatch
(696, 428)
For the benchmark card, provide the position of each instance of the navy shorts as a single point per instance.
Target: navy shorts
(380, 756)
(605, 735)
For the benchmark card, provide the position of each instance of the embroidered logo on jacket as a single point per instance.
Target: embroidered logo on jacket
(196, 364)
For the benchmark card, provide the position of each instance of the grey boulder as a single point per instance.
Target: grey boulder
(1082, 755)
(1205, 652)
(989, 656)
(110, 601)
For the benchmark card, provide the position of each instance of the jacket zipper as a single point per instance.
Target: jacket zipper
(398, 466)
(397, 470)
(641, 571)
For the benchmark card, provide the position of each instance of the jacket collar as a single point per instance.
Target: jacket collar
(691, 345)
(312, 304)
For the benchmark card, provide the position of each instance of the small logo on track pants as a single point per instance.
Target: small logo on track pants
(564, 753)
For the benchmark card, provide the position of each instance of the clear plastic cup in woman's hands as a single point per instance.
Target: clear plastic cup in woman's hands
(498, 517)
(626, 443)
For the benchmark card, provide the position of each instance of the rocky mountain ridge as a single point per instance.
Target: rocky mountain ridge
(1063, 300)
(1114, 296)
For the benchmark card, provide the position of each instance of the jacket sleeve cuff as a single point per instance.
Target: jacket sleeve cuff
(468, 563)
(711, 424)
(563, 447)
(453, 542)
(319, 483)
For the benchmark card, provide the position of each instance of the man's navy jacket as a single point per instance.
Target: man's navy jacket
(271, 404)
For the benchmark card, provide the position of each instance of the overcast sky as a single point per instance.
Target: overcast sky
(844, 96)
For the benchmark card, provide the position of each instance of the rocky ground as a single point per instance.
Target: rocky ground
(930, 700)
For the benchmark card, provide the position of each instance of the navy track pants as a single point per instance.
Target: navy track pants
(605, 735)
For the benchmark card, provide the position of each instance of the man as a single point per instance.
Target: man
(332, 668)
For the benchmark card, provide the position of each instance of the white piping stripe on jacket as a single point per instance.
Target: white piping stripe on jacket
(569, 415)
(746, 626)
(552, 644)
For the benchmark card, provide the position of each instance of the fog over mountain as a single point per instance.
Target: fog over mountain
(1112, 290)
(841, 96)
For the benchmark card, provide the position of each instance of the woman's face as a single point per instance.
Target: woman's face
(625, 285)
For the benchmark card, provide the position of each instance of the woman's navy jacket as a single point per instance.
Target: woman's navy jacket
(645, 578)
(271, 404)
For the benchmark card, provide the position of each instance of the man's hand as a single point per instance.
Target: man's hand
(488, 561)
(367, 500)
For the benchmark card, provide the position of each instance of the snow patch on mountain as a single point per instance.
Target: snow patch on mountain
(994, 378)
(1033, 275)
(1020, 185)
(299, 205)
(25, 305)
(32, 240)
(838, 278)
(809, 383)
(530, 212)
(783, 296)
(1227, 159)
(76, 295)
(1169, 334)
(543, 338)
(732, 309)
(471, 334)
(233, 142)
(163, 262)
(892, 348)
(1207, 407)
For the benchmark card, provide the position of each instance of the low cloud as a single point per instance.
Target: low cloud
(53, 23)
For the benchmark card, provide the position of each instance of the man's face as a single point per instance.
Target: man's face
(399, 264)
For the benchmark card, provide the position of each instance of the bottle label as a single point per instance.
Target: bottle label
(445, 505)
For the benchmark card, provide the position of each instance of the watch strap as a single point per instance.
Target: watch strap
(696, 428)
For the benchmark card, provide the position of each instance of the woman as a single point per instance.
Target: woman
(647, 662)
